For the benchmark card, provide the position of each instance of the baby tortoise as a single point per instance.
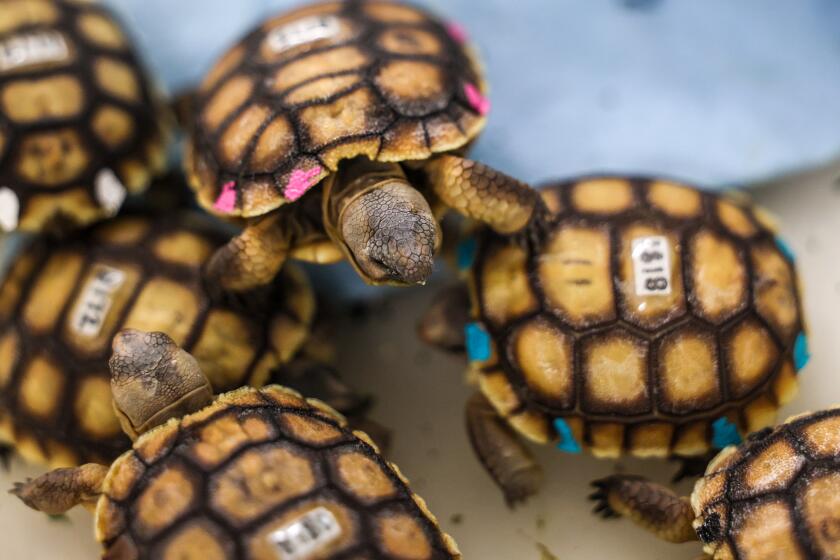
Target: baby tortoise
(62, 302)
(776, 496)
(80, 126)
(375, 102)
(650, 318)
(255, 473)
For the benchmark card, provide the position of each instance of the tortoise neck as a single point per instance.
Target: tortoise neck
(353, 179)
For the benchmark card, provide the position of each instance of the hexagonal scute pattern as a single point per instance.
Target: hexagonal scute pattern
(80, 141)
(332, 82)
(779, 492)
(67, 300)
(647, 299)
(259, 493)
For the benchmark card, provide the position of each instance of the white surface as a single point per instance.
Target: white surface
(421, 394)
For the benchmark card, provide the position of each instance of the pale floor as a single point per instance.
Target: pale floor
(421, 395)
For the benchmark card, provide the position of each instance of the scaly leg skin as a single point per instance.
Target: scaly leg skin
(505, 457)
(252, 259)
(481, 193)
(649, 505)
(58, 491)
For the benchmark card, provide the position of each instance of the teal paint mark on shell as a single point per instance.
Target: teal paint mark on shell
(801, 353)
(724, 433)
(466, 253)
(785, 249)
(478, 342)
(567, 442)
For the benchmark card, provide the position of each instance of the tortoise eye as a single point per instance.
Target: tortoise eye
(710, 530)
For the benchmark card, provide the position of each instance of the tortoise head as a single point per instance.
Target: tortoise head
(391, 233)
(153, 380)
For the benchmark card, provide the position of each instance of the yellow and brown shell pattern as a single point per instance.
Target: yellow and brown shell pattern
(263, 474)
(61, 304)
(654, 319)
(79, 126)
(325, 83)
(775, 496)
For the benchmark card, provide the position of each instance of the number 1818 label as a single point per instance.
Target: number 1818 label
(652, 265)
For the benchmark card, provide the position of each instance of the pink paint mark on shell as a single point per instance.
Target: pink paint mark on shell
(457, 32)
(227, 198)
(480, 103)
(300, 182)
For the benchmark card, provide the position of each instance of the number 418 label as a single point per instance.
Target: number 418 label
(652, 265)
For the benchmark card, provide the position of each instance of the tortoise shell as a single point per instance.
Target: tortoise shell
(325, 83)
(262, 474)
(79, 126)
(652, 318)
(61, 305)
(775, 496)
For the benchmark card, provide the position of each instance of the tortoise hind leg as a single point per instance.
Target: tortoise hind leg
(649, 505)
(60, 490)
(504, 456)
(481, 193)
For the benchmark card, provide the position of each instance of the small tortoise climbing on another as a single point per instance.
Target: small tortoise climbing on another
(80, 125)
(375, 101)
(776, 496)
(648, 318)
(259, 474)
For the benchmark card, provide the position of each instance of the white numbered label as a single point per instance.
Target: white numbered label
(31, 49)
(300, 538)
(652, 265)
(303, 31)
(95, 300)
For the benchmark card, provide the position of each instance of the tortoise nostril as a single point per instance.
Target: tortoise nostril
(710, 530)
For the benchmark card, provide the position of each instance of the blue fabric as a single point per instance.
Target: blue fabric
(716, 91)
(466, 253)
(724, 433)
(477, 342)
(567, 442)
(801, 353)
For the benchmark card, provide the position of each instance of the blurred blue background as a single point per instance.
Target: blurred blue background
(720, 92)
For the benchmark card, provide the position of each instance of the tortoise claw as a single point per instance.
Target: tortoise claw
(600, 497)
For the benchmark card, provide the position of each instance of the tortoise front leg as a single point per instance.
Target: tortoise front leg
(60, 490)
(649, 505)
(503, 454)
(481, 193)
(253, 258)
